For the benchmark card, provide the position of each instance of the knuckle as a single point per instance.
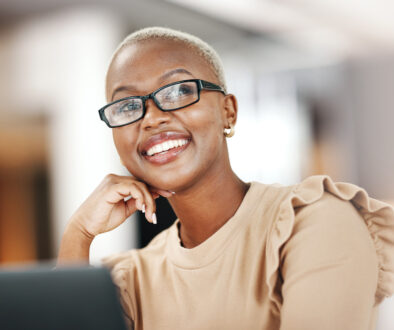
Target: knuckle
(131, 188)
(109, 178)
(140, 184)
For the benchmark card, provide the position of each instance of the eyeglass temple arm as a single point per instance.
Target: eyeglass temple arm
(210, 86)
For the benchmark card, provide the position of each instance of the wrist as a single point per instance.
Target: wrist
(75, 228)
(75, 245)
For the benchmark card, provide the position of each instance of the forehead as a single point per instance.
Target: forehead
(141, 64)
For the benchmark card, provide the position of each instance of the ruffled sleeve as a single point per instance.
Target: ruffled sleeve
(119, 266)
(377, 215)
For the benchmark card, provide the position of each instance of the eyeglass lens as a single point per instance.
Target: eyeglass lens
(178, 95)
(169, 98)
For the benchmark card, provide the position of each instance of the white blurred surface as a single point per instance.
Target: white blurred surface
(273, 128)
(385, 316)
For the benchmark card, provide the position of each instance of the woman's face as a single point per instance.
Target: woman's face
(143, 67)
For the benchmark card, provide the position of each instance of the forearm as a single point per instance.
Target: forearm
(75, 245)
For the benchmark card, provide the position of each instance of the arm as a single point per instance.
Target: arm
(329, 269)
(75, 245)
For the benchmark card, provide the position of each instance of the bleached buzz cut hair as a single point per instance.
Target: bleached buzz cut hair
(202, 48)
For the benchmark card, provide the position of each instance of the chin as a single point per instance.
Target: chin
(172, 180)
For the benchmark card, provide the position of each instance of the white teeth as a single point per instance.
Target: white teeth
(164, 146)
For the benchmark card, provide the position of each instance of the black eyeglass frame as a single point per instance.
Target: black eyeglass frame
(201, 85)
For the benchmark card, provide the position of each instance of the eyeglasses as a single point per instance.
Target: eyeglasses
(170, 97)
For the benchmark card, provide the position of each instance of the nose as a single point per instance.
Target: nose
(154, 117)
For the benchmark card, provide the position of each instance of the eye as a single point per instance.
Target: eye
(129, 106)
(185, 89)
(176, 91)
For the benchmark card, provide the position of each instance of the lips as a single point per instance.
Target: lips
(164, 147)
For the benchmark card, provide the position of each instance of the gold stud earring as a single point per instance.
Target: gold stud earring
(229, 132)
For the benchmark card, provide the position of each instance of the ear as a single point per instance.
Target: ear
(230, 109)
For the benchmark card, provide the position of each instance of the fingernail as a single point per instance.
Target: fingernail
(154, 219)
(143, 208)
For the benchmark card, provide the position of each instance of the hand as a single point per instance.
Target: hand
(106, 208)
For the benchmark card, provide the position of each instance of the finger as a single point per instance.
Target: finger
(130, 207)
(150, 209)
(161, 192)
(122, 190)
(114, 179)
(144, 202)
(155, 195)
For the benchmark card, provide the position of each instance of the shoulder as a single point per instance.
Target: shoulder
(264, 201)
(334, 221)
(327, 233)
(318, 200)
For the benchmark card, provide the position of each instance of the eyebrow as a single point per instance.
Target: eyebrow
(121, 89)
(162, 78)
(173, 72)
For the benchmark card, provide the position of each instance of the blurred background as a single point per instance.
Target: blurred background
(314, 81)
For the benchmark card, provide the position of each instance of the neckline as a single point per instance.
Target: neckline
(206, 252)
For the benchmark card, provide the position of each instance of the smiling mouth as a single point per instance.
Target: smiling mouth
(166, 151)
(165, 146)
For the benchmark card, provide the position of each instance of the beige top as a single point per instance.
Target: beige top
(315, 255)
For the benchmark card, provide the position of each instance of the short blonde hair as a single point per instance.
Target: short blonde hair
(201, 47)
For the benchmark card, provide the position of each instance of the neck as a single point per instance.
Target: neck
(206, 206)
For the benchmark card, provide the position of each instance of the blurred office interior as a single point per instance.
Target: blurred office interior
(314, 81)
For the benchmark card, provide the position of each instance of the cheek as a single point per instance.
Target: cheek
(205, 123)
(124, 138)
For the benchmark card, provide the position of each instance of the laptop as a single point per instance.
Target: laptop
(72, 298)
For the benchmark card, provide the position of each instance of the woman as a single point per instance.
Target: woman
(315, 255)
